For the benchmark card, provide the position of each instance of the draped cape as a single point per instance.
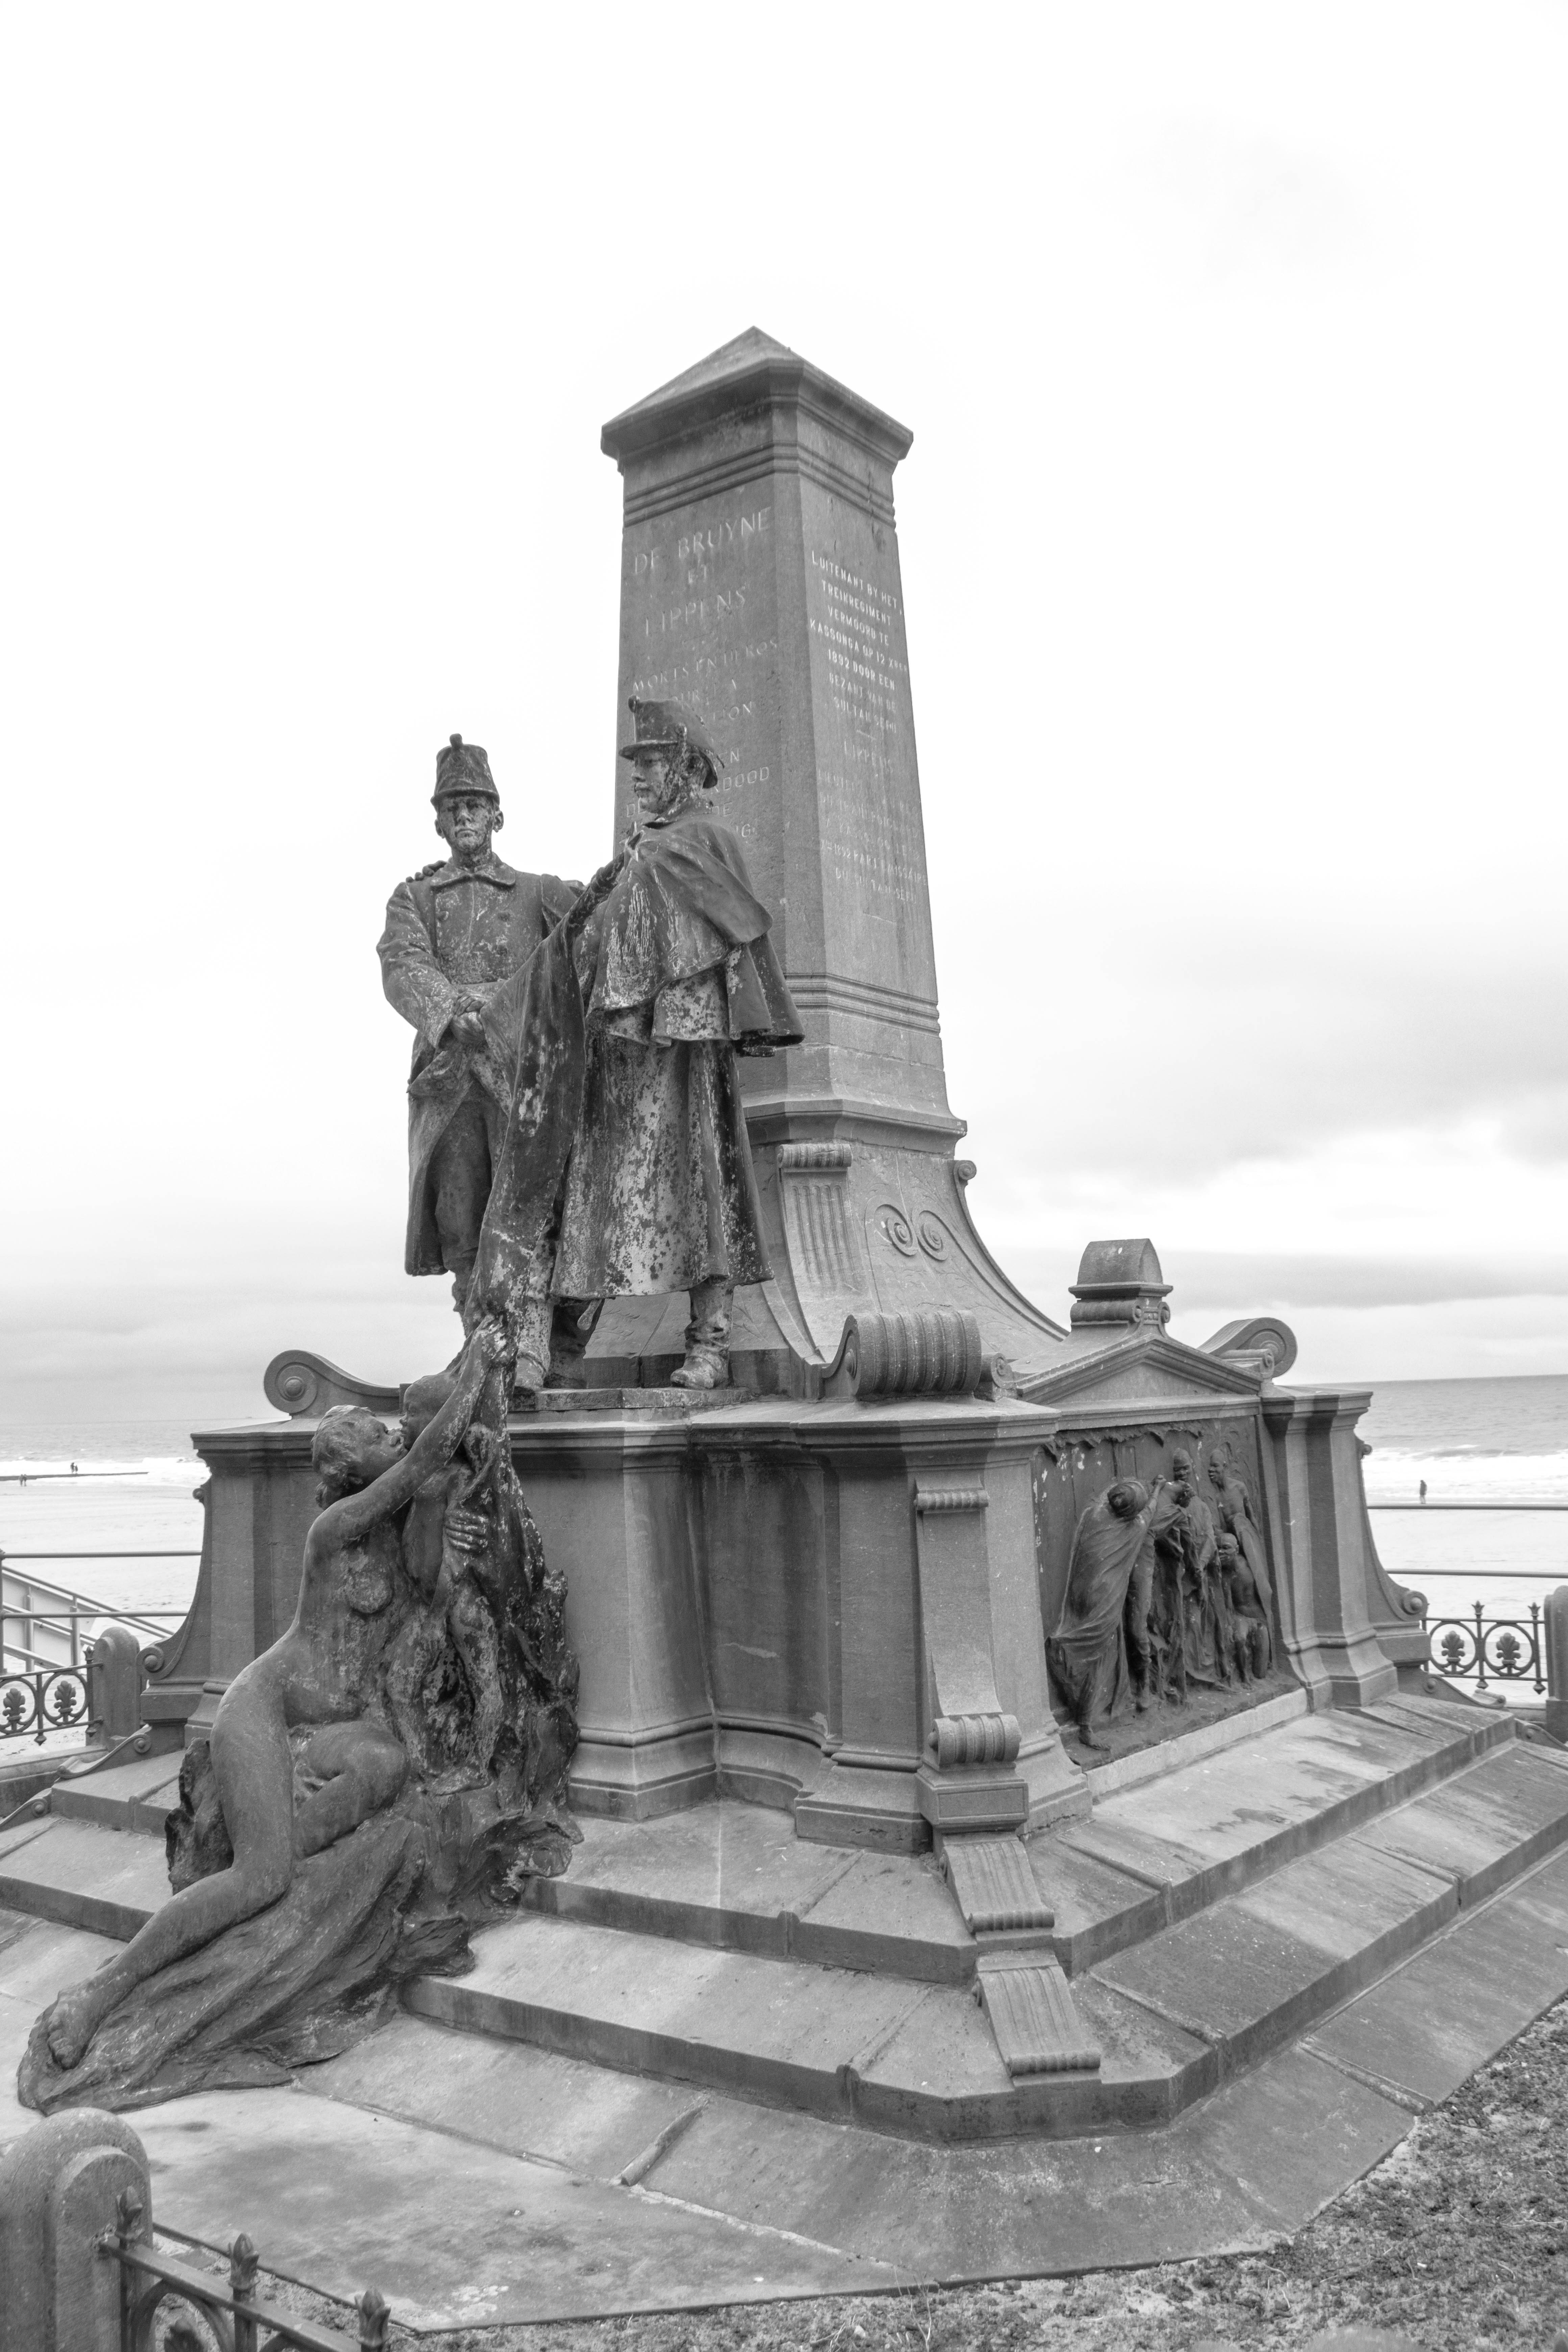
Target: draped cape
(683, 904)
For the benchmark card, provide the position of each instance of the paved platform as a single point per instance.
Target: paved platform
(665, 2086)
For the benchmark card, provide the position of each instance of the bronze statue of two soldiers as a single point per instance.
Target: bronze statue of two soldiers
(575, 1115)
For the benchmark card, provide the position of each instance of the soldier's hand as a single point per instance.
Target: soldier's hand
(468, 1028)
(466, 1532)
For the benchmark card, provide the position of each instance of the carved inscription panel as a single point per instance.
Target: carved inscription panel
(700, 626)
(776, 612)
(872, 843)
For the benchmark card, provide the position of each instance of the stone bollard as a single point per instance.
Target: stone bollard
(1556, 1615)
(114, 1685)
(58, 2184)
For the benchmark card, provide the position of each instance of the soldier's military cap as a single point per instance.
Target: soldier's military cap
(667, 726)
(462, 768)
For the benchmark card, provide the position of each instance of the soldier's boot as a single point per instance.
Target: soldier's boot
(530, 1328)
(570, 1333)
(707, 1364)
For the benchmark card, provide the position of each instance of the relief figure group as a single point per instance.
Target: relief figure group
(1167, 1589)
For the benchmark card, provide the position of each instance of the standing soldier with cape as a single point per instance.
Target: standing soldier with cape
(681, 976)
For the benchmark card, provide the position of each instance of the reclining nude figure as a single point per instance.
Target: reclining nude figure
(318, 1672)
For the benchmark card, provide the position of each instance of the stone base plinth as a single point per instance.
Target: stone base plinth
(745, 1592)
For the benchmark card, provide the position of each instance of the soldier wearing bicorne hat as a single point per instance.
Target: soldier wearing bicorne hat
(452, 931)
(678, 976)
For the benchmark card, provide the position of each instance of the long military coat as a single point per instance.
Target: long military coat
(453, 930)
(680, 975)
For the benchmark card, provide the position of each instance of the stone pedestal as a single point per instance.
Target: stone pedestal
(1313, 1476)
(760, 586)
(59, 2187)
(829, 1607)
(258, 1500)
(1556, 1640)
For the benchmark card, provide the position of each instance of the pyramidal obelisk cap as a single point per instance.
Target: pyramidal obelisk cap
(667, 727)
(462, 768)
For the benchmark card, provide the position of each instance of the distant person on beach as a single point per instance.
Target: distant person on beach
(1423, 1490)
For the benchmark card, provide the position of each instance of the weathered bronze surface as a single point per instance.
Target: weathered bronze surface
(679, 977)
(1111, 1554)
(392, 1769)
(455, 933)
(1185, 1619)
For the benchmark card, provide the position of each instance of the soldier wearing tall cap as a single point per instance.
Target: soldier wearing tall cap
(455, 930)
(679, 976)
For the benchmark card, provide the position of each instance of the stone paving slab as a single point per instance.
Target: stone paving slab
(892, 1912)
(452, 2233)
(431, 2214)
(1491, 1822)
(1160, 1852)
(38, 1960)
(109, 1881)
(1423, 2030)
(1290, 2136)
(723, 2020)
(1250, 1972)
(22, 1829)
(1099, 1909)
(525, 2102)
(737, 1877)
(133, 1796)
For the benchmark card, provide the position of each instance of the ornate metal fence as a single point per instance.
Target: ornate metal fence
(154, 2286)
(42, 1702)
(48, 1652)
(1482, 1649)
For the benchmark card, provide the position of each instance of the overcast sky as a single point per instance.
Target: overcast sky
(1233, 339)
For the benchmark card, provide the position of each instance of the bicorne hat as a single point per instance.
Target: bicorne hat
(462, 768)
(667, 726)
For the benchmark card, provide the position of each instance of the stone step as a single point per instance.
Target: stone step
(1256, 1969)
(477, 2182)
(1157, 1852)
(133, 1796)
(735, 1877)
(918, 2060)
(81, 1876)
(1202, 1999)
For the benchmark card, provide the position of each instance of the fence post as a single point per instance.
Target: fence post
(1557, 1663)
(114, 1685)
(58, 2185)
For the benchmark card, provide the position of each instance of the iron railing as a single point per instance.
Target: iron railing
(1482, 1649)
(46, 1651)
(46, 1700)
(150, 2282)
(1477, 1648)
(21, 1596)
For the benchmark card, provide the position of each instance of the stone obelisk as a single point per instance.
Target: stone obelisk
(761, 587)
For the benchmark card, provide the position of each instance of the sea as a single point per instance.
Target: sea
(1496, 1443)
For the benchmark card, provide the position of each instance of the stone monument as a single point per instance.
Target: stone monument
(838, 1586)
(760, 586)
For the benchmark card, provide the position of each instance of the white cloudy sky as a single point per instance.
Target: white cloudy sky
(1233, 342)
